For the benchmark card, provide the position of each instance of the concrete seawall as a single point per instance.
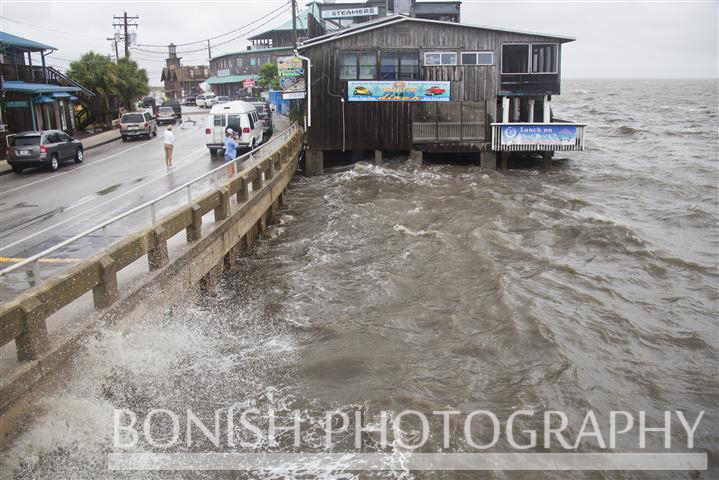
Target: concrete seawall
(242, 205)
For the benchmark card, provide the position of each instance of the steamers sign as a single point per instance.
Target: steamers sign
(351, 12)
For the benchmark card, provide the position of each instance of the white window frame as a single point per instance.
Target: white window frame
(476, 53)
(529, 58)
(556, 59)
(424, 58)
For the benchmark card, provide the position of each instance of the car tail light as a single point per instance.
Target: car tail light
(208, 131)
(43, 149)
(145, 124)
(245, 130)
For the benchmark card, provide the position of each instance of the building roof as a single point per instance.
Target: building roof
(395, 19)
(229, 79)
(15, 41)
(255, 51)
(26, 87)
(301, 22)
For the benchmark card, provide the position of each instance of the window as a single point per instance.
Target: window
(361, 65)
(440, 58)
(515, 58)
(399, 66)
(219, 121)
(477, 58)
(253, 61)
(240, 62)
(544, 58)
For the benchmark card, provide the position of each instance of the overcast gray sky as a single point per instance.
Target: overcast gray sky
(615, 39)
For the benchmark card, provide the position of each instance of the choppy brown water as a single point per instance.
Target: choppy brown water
(593, 287)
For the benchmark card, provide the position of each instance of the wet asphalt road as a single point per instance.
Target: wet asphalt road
(39, 209)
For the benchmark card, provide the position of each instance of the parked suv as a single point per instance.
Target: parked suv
(263, 109)
(136, 124)
(175, 105)
(42, 149)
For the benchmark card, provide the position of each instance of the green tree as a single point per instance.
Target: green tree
(269, 76)
(131, 82)
(95, 72)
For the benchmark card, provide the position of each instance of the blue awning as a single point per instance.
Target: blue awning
(27, 44)
(27, 87)
(61, 95)
(42, 99)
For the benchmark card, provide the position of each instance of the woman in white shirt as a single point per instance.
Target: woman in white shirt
(169, 145)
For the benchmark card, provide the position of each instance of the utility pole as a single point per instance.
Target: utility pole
(124, 19)
(209, 51)
(117, 55)
(294, 22)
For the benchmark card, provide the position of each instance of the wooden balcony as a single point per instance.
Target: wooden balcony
(529, 84)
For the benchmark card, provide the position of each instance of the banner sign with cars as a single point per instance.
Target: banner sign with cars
(529, 134)
(397, 91)
(351, 12)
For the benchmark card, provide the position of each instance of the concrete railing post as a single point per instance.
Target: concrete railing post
(105, 293)
(33, 341)
(257, 181)
(158, 256)
(194, 230)
(270, 172)
(243, 194)
(222, 211)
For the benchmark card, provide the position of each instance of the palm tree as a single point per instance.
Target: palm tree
(95, 72)
(131, 82)
(268, 76)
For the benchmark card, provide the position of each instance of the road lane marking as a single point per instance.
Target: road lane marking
(42, 260)
(111, 200)
(87, 165)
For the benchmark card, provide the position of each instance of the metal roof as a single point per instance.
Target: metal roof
(15, 41)
(256, 50)
(17, 86)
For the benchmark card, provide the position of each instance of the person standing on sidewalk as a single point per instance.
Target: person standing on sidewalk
(169, 145)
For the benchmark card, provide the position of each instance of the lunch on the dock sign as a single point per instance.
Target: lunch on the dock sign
(397, 91)
(529, 134)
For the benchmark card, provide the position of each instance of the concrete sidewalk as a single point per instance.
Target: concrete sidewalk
(87, 143)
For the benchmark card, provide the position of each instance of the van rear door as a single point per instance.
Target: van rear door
(218, 128)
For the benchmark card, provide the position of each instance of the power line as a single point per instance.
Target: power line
(50, 29)
(285, 8)
(218, 36)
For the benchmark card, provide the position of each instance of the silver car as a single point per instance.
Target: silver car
(45, 148)
(166, 115)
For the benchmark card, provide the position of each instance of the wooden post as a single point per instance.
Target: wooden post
(223, 209)
(415, 157)
(194, 230)
(106, 292)
(314, 162)
(505, 109)
(158, 257)
(34, 340)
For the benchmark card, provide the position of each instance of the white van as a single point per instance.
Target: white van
(200, 101)
(209, 100)
(239, 116)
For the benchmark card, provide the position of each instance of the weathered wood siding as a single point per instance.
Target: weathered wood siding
(388, 125)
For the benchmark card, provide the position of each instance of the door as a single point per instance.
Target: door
(218, 129)
(66, 145)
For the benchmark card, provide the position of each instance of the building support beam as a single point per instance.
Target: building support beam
(547, 115)
(531, 110)
(547, 158)
(314, 162)
(505, 109)
(505, 160)
(488, 160)
(515, 109)
(415, 157)
(378, 158)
